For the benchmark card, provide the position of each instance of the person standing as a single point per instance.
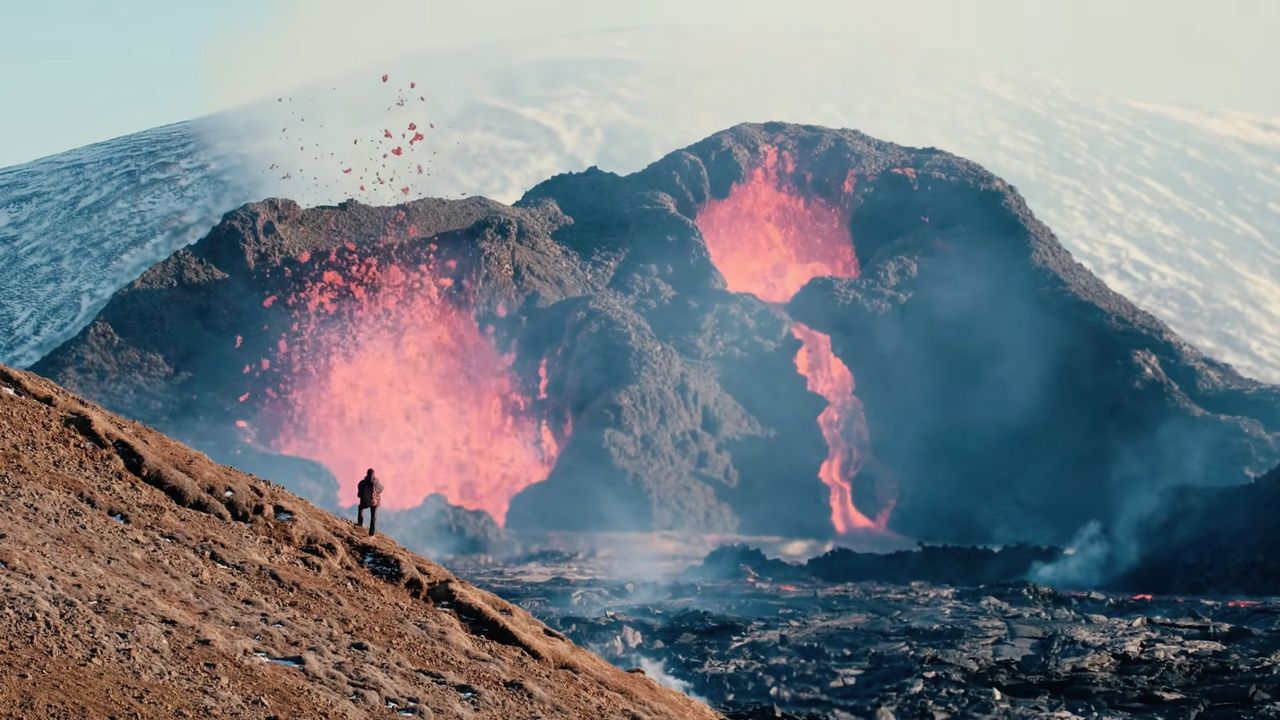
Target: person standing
(369, 492)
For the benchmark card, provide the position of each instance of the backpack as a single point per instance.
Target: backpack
(370, 492)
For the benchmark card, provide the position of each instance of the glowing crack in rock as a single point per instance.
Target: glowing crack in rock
(384, 366)
(768, 239)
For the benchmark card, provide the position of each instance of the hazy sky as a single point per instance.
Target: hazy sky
(78, 71)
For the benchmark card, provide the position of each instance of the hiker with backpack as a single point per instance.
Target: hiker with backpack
(369, 492)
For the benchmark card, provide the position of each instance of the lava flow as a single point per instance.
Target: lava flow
(769, 240)
(384, 366)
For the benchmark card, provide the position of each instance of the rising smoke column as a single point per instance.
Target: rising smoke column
(384, 365)
(767, 239)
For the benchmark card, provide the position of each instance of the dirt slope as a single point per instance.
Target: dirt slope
(140, 579)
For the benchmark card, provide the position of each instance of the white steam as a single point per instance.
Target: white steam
(1083, 564)
(656, 670)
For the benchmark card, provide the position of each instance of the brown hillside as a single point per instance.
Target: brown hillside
(140, 579)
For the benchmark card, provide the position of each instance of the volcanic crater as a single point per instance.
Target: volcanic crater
(677, 349)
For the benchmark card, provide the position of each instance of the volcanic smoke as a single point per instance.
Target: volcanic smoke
(384, 366)
(769, 240)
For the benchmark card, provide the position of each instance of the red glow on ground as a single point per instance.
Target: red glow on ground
(769, 239)
(386, 368)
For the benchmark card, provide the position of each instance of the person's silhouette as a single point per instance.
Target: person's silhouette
(369, 492)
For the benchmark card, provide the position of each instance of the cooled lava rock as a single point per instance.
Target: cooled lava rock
(742, 562)
(833, 651)
(1007, 393)
(438, 529)
(948, 565)
(1216, 540)
(945, 565)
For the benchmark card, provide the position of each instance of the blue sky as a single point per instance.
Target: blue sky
(78, 71)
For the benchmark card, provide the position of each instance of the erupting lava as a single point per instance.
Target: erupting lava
(768, 239)
(385, 366)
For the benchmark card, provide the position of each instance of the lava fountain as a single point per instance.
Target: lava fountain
(384, 365)
(768, 239)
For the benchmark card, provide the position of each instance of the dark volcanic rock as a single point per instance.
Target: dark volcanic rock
(875, 650)
(1220, 540)
(945, 565)
(741, 562)
(949, 565)
(436, 528)
(1010, 395)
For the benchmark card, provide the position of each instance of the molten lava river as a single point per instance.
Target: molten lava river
(767, 239)
(384, 365)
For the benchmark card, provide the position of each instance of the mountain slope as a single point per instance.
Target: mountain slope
(140, 579)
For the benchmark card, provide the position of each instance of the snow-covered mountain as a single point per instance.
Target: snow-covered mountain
(77, 226)
(1175, 208)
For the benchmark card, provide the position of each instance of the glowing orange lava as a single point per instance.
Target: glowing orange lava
(843, 424)
(768, 239)
(385, 367)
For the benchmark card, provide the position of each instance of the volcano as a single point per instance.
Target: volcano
(781, 329)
